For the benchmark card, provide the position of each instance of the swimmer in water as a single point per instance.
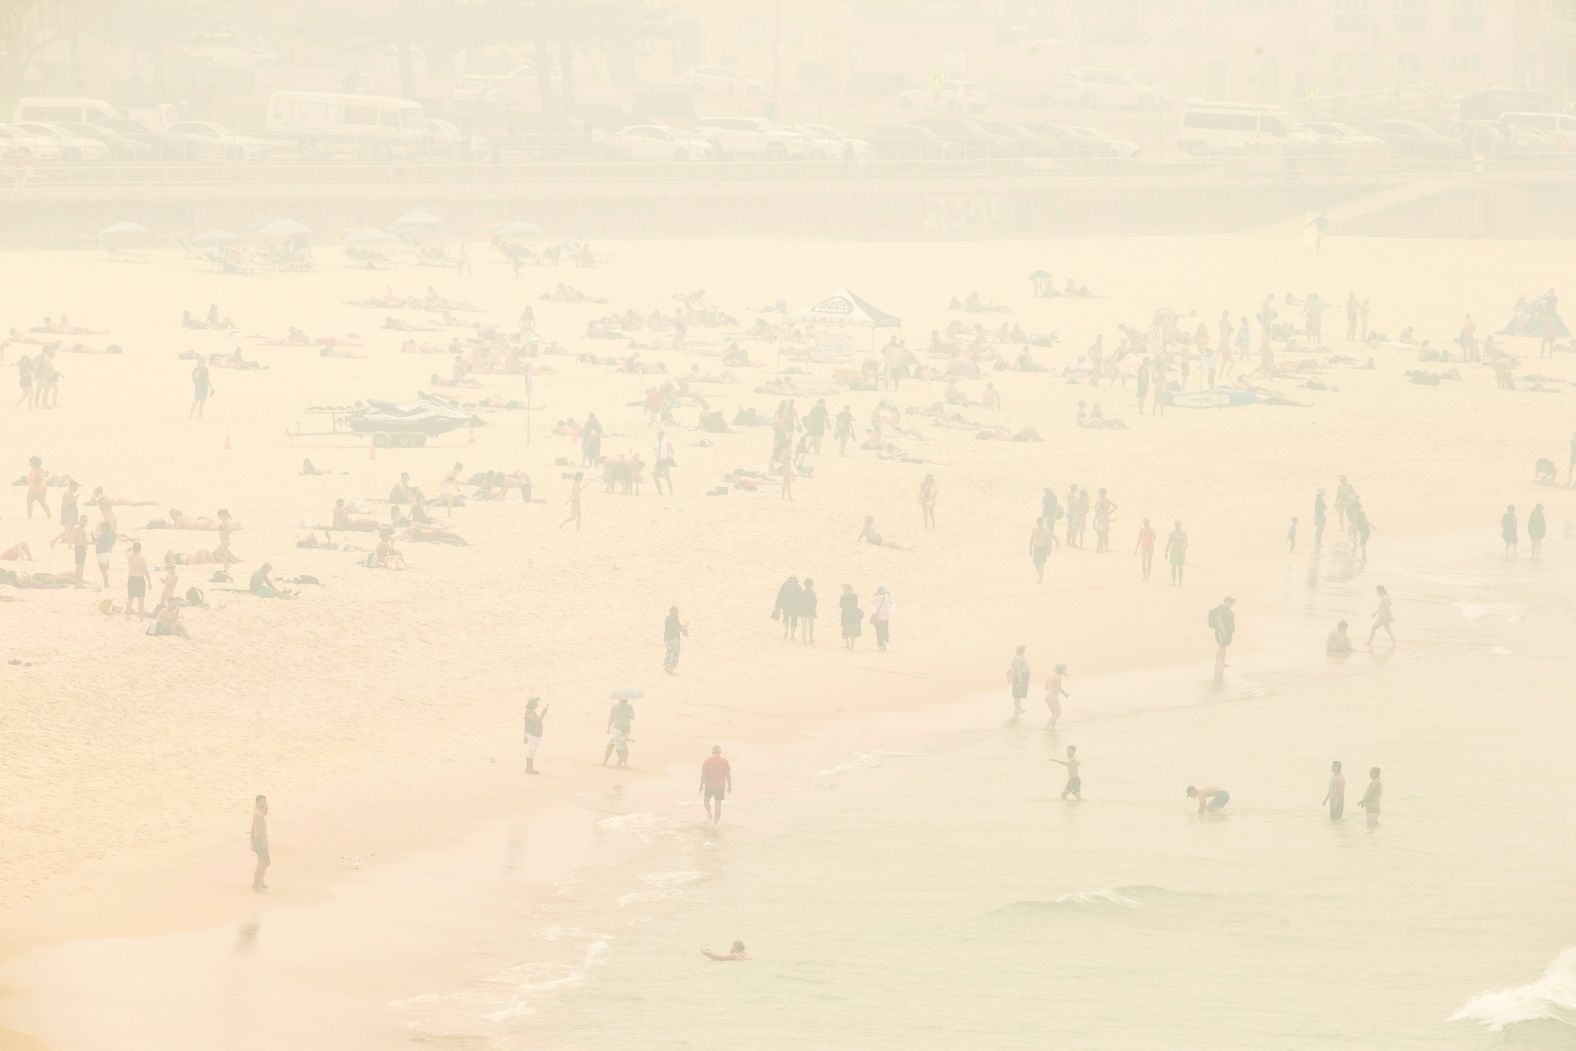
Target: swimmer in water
(735, 953)
(1209, 798)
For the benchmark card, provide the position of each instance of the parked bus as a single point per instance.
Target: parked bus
(379, 125)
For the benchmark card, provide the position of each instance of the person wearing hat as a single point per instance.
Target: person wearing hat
(1223, 623)
(533, 732)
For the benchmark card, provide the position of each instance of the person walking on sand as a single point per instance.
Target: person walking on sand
(1383, 617)
(809, 603)
(1144, 548)
(787, 607)
(1507, 529)
(1176, 553)
(1074, 786)
(137, 580)
(575, 489)
(1040, 540)
(1104, 509)
(1335, 795)
(533, 732)
(37, 486)
(716, 781)
(673, 632)
(620, 720)
(202, 387)
(1291, 534)
(1370, 800)
(1223, 622)
(1018, 677)
(927, 500)
(662, 470)
(881, 617)
(1536, 529)
(851, 616)
(844, 430)
(260, 843)
(1209, 798)
(1054, 692)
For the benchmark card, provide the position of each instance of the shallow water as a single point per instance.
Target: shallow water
(938, 894)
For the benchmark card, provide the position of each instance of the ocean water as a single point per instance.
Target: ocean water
(936, 892)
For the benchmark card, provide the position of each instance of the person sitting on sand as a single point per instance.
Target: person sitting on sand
(263, 586)
(167, 621)
(1338, 642)
(386, 555)
(400, 494)
(307, 468)
(868, 535)
(17, 552)
(345, 521)
(733, 954)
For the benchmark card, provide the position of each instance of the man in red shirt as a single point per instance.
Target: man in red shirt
(716, 781)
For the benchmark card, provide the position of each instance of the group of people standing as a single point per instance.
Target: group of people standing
(798, 604)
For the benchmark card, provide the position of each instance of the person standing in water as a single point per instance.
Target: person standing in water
(1018, 676)
(260, 843)
(1383, 617)
(673, 632)
(1054, 692)
(927, 500)
(1145, 549)
(716, 781)
(1536, 529)
(620, 720)
(1176, 553)
(1335, 795)
(1291, 534)
(1370, 800)
(1507, 529)
(1223, 622)
(533, 732)
(1074, 786)
(1319, 510)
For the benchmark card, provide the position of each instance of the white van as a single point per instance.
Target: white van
(64, 111)
(375, 123)
(1209, 126)
(1561, 127)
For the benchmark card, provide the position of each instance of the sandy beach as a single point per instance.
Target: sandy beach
(381, 711)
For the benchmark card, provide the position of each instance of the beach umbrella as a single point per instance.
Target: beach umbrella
(417, 219)
(125, 229)
(520, 230)
(628, 694)
(282, 229)
(216, 237)
(368, 236)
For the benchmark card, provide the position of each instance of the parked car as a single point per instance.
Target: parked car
(1070, 143)
(1121, 88)
(475, 90)
(1416, 139)
(1011, 90)
(447, 139)
(951, 96)
(974, 140)
(1121, 149)
(121, 147)
(207, 140)
(910, 142)
(713, 80)
(549, 137)
(72, 147)
(753, 138)
(1334, 135)
(829, 143)
(31, 147)
(657, 142)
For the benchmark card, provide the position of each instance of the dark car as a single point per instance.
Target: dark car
(1416, 139)
(973, 140)
(911, 142)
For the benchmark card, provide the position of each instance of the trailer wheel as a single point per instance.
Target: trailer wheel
(421, 439)
(381, 440)
(404, 441)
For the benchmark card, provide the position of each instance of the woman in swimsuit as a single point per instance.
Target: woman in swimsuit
(37, 486)
(1383, 618)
